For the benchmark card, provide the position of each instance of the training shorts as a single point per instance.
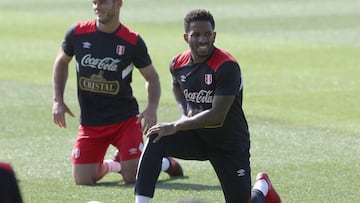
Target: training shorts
(93, 141)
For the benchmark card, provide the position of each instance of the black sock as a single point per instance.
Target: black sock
(257, 196)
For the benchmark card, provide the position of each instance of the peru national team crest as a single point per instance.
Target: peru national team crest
(120, 49)
(208, 79)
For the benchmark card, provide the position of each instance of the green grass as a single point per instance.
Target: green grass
(301, 66)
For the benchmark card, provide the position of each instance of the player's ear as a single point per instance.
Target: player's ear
(186, 38)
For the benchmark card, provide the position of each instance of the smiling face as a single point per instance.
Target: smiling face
(201, 38)
(105, 10)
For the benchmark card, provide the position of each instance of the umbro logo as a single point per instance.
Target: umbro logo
(183, 78)
(241, 172)
(133, 151)
(86, 45)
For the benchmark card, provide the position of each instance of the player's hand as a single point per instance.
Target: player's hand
(58, 111)
(150, 118)
(162, 129)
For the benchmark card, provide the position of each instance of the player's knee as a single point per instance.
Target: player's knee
(84, 181)
(128, 170)
(129, 179)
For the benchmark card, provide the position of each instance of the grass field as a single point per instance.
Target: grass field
(301, 66)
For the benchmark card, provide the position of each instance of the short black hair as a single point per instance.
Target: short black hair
(198, 15)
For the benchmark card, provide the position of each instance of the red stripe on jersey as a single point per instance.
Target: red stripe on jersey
(182, 59)
(215, 61)
(85, 27)
(218, 58)
(127, 34)
(124, 32)
(6, 166)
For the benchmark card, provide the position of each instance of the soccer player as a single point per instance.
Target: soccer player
(9, 188)
(208, 88)
(106, 51)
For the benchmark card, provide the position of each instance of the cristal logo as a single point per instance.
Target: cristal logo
(202, 96)
(107, 63)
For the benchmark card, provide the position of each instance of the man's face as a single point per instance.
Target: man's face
(104, 10)
(200, 38)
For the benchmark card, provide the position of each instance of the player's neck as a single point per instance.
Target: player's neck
(109, 27)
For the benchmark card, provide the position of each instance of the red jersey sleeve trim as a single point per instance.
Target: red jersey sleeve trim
(127, 34)
(182, 59)
(85, 27)
(6, 166)
(218, 58)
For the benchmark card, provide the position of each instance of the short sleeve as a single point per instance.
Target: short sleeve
(142, 57)
(67, 44)
(228, 79)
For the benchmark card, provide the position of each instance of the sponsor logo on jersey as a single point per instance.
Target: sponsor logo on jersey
(201, 97)
(97, 83)
(208, 79)
(107, 63)
(120, 50)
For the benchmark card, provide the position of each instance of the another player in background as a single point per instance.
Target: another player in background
(208, 88)
(106, 52)
(9, 188)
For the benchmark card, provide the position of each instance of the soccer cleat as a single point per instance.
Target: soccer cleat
(272, 196)
(175, 169)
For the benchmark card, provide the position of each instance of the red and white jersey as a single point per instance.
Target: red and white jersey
(199, 82)
(104, 65)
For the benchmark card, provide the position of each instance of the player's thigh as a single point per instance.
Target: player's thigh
(86, 174)
(128, 140)
(234, 173)
(91, 145)
(185, 145)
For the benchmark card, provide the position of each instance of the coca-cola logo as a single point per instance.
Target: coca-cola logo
(106, 63)
(202, 96)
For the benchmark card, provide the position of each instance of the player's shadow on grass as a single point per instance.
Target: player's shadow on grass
(173, 184)
(165, 184)
(187, 186)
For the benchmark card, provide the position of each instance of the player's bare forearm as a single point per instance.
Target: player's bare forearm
(59, 81)
(152, 86)
(60, 75)
(153, 91)
(207, 118)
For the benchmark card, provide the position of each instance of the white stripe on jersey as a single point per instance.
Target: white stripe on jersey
(241, 84)
(127, 70)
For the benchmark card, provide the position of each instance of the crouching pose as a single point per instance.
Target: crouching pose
(208, 88)
(106, 52)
